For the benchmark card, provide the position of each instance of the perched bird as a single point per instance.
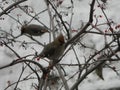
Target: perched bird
(99, 69)
(99, 72)
(33, 29)
(54, 49)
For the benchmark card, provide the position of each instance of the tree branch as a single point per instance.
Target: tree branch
(92, 69)
(9, 7)
(85, 27)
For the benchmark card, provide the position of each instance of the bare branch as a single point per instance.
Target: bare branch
(11, 6)
(85, 27)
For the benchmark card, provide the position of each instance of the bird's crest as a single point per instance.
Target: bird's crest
(60, 38)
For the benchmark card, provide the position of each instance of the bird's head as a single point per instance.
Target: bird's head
(60, 38)
(23, 28)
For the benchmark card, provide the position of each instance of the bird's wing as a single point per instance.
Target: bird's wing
(35, 28)
(48, 51)
(36, 31)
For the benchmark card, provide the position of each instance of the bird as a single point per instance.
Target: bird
(99, 69)
(33, 30)
(99, 72)
(54, 50)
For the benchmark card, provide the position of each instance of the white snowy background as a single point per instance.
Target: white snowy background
(81, 13)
